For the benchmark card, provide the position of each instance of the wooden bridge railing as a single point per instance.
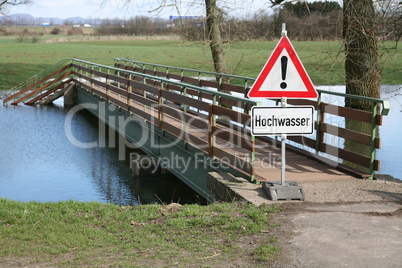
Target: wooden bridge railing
(353, 129)
(188, 112)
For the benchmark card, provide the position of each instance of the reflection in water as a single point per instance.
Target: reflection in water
(38, 162)
(391, 133)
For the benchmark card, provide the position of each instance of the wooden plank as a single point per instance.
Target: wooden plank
(117, 102)
(120, 66)
(349, 134)
(98, 83)
(232, 138)
(129, 68)
(100, 93)
(354, 114)
(146, 115)
(206, 83)
(173, 87)
(144, 87)
(82, 76)
(117, 90)
(87, 87)
(207, 96)
(232, 88)
(22, 91)
(138, 69)
(233, 115)
(356, 158)
(190, 80)
(81, 68)
(303, 140)
(148, 71)
(174, 97)
(160, 73)
(196, 141)
(171, 129)
(98, 73)
(117, 79)
(36, 91)
(46, 93)
(379, 120)
(149, 81)
(234, 161)
(174, 76)
(231, 103)
(189, 119)
(172, 111)
(145, 101)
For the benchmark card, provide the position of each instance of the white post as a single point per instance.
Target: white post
(284, 32)
(283, 139)
(283, 148)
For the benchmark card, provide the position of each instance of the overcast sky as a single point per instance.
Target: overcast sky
(114, 8)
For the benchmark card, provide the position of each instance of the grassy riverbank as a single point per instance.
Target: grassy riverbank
(74, 234)
(322, 59)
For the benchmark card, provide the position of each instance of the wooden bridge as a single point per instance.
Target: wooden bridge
(196, 118)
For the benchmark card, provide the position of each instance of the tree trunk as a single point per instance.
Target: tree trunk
(214, 36)
(361, 64)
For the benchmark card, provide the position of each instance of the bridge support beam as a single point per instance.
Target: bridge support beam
(70, 95)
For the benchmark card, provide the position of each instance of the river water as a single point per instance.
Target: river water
(38, 162)
(390, 153)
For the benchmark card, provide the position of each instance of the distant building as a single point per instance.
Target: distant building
(46, 24)
(186, 17)
(197, 21)
(87, 25)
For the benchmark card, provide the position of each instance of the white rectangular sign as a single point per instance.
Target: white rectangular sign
(296, 120)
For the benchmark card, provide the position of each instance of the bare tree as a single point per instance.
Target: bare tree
(363, 75)
(5, 4)
(214, 16)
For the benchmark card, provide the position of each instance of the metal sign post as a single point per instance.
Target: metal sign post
(284, 136)
(283, 149)
(283, 76)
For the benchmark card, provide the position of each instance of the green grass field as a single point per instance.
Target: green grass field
(323, 60)
(76, 234)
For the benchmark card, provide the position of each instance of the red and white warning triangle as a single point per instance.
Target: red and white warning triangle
(283, 76)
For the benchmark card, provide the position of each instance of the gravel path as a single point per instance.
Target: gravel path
(352, 191)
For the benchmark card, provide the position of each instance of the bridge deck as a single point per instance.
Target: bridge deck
(299, 167)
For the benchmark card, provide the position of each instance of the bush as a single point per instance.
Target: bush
(20, 38)
(35, 39)
(55, 31)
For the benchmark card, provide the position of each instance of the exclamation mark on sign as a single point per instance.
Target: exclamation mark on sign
(284, 62)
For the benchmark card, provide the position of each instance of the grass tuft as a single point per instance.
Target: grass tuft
(265, 252)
